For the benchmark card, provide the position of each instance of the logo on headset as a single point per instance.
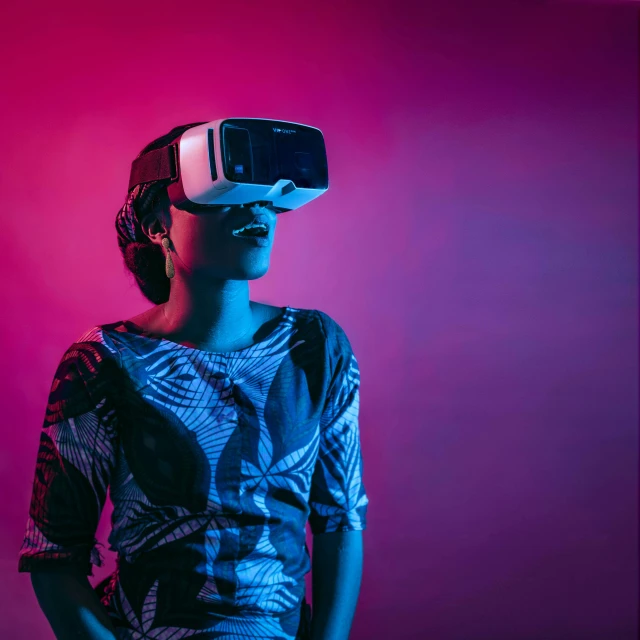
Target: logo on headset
(283, 130)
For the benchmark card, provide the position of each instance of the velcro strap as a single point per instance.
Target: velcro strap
(159, 164)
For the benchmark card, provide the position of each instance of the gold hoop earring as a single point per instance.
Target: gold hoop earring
(168, 265)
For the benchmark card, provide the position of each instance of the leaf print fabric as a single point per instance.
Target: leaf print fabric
(214, 463)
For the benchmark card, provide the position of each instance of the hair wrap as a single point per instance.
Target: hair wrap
(135, 207)
(144, 197)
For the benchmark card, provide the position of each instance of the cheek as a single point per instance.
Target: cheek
(196, 237)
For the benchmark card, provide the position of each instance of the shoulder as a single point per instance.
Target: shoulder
(330, 332)
(344, 367)
(333, 330)
(322, 323)
(95, 344)
(84, 375)
(336, 337)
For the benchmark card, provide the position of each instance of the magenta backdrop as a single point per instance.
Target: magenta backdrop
(478, 244)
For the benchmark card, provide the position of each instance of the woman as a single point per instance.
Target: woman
(220, 426)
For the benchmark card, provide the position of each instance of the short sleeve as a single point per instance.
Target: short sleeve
(74, 463)
(338, 500)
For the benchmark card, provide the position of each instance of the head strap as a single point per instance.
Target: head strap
(159, 164)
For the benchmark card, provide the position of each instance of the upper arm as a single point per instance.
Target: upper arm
(338, 499)
(74, 463)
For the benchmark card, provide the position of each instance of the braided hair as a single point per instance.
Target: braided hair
(143, 258)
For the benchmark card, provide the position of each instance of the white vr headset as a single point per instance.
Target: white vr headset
(237, 161)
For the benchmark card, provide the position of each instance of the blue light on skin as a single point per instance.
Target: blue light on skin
(209, 306)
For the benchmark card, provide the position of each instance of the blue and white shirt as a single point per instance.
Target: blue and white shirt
(214, 463)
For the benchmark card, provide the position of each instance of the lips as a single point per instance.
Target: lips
(243, 221)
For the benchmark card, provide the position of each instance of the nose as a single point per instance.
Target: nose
(262, 206)
(259, 203)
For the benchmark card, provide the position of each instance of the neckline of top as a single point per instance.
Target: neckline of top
(134, 329)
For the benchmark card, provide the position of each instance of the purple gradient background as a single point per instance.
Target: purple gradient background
(479, 245)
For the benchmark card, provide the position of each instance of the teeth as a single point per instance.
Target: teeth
(251, 225)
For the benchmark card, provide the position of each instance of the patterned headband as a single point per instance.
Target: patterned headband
(140, 200)
(135, 206)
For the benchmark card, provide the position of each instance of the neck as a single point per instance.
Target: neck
(212, 314)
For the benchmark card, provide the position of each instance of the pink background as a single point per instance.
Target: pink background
(478, 244)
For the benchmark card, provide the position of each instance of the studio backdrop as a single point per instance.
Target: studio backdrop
(478, 244)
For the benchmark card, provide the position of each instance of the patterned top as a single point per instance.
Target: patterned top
(214, 463)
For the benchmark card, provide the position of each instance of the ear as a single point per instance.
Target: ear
(156, 222)
(153, 227)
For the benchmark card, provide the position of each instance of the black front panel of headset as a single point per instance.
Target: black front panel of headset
(265, 151)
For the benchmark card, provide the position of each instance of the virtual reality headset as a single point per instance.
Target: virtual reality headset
(237, 161)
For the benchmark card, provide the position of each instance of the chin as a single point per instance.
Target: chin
(238, 270)
(251, 272)
(254, 275)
